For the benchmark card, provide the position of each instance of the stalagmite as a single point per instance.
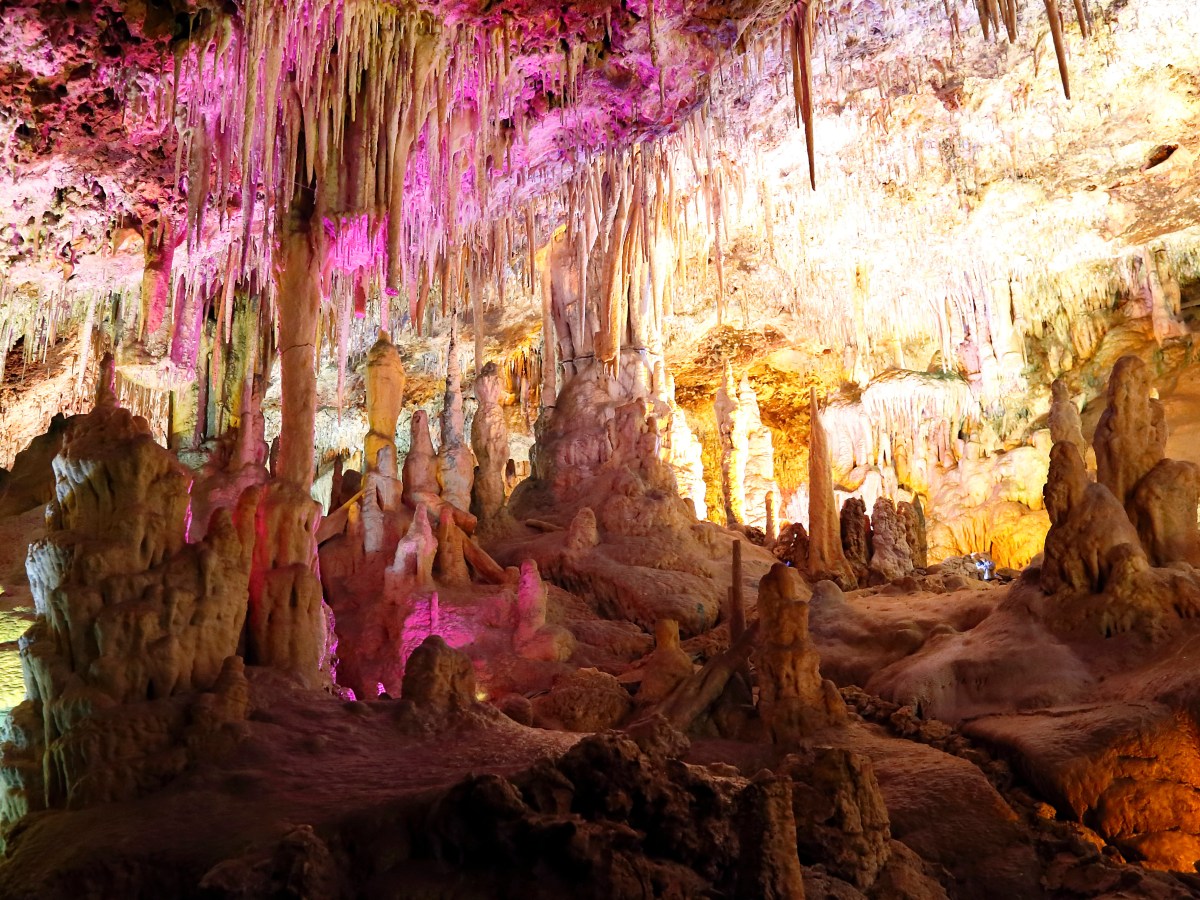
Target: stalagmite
(489, 439)
(856, 531)
(1064, 421)
(732, 445)
(793, 700)
(891, 556)
(384, 377)
(451, 562)
(412, 565)
(455, 462)
(127, 611)
(534, 638)
(825, 557)
(1131, 435)
(686, 452)
(758, 470)
(1163, 508)
(667, 667)
(912, 514)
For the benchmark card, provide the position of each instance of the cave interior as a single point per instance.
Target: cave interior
(655, 448)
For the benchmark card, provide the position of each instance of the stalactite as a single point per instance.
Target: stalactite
(803, 23)
(1060, 47)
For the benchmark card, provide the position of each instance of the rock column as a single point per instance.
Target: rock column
(825, 557)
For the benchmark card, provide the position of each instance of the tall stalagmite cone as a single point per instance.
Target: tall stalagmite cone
(825, 556)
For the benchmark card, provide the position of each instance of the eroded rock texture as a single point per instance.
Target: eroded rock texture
(891, 555)
(133, 622)
(1131, 436)
(856, 531)
(794, 701)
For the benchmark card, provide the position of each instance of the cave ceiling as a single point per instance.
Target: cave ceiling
(934, 144)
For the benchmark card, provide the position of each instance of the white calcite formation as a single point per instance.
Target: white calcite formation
(733, 464)
(747, 453)
(685, 454)
(758, 477)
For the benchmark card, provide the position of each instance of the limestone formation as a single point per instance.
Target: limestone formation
(534, 639)
(825, 557)
(585, 700)
(489, 439)
(132, 620)
(891, 556)
(667, 667)
(287, 624)
(299, 280)
(725, 405)
(198, 722)
(225, 477)
(913, 516)
(1064, 421)
(769, 868)
(455, 462)
(791, 546)
(837, 797)
(420, 475)
(793, 700)
(1119, 552)
(451, 562)
(686, 456)
(758, 475)
(412, 565)
(1163, 508)
(747, 454)
(582, 533)
(438, 680)
(384, 377)
(1132, 434)
(856, 531)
